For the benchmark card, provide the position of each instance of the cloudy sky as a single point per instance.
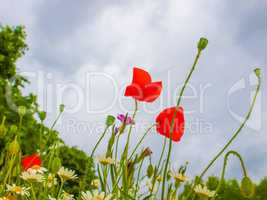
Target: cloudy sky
(81, 53)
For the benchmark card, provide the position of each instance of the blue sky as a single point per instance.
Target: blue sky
(73, 41)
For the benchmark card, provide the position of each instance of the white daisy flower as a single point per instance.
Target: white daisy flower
(95, 195)
(67, 196)
(37, 169)
(23, 191)
(66, 174)
(203, 191)
(105, 160)
(31, 176)
(178, 176)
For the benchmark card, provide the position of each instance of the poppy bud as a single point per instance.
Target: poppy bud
(56, 164)
(61, 107)
(150, 171)
(247, 187)
(110, 120)
(42, 115)
(202, 43)
(13, 147)
(22, 110)
(257, 72)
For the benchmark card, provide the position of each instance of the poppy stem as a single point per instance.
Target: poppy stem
(172, 122)
(224, 169)
(99, 140)
(231, 140)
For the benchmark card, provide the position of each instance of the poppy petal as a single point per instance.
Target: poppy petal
(134, 91)
(141, 77)
(152, 91)
(30, 161)
(164, 120)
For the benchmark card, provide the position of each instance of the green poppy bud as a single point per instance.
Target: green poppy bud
(110, 120)
(42, 115)
(22, 110)
(247, 187)
(13, 147)
(257, 72)
(150, 171)
(61, 107)
(56, 164)
(3, 130)
(202, 43)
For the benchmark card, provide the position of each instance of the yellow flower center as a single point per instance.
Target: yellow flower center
(17, 189)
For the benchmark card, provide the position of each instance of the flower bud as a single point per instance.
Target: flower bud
(150, 171)
(247, 187)
(202, 43)
(146, 152)
(42, 115)
(61, 108)
(13, 147)
(95, 183)
(110, 120)
(22, 110)
(3, 130)
(257, 72)
(56, 164)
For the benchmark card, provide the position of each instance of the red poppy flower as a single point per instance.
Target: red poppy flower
(164, 120)
(142, 88)
(30, 161)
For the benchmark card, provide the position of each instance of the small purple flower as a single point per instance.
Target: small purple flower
(123, 119)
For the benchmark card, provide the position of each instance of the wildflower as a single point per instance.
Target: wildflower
(95, 183)
(179, 177)
(105, 160)
(95, 195)
(125, 119)
(66, 174)
(164, 122)
(203, 191)
(8, 197)
(67, 196)
(142, 88)
(37, 169)
(32, 176)
(51, 180)
(51, 198)
(31, 160)
(23, 191)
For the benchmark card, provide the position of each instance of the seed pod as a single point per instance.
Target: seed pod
(247, 187)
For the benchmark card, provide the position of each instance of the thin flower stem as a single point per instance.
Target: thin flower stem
(130, 130)
(33, 192)
(117, 144)
(138, 177)
(99, 140)
(224, 169)
(60, 189)
(236, 133)
(140, 141)
(172, 122)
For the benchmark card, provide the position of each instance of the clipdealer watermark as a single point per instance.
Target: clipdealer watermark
(86, 96)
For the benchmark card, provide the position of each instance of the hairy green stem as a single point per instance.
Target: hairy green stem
(236, 133)
(172, 122)
(99, 140)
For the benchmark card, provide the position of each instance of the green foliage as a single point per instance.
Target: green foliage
(19, 113)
